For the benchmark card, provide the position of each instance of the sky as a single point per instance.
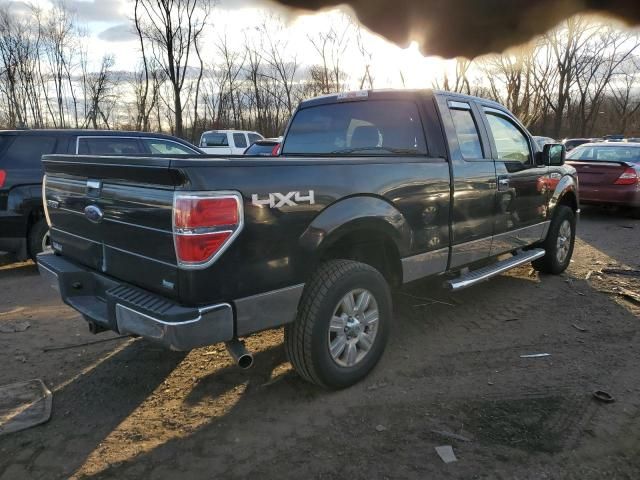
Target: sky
(109, 31)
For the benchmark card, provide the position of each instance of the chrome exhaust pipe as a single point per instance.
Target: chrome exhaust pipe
(242, 356)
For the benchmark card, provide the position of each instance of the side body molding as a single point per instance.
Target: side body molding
(353, 214)
(566, 184)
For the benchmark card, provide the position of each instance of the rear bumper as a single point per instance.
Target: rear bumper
(624, 195)
(129, 310)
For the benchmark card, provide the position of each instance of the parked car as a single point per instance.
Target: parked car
(632, 140)
(264, 148)
(372, 189)
(609, 174)
(23, 229)
(542, 141)
(227, 142)
(613, 138)
(571, 143)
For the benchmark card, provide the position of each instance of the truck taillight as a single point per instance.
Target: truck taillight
(204, 225)
(628, 177)
(3, 177)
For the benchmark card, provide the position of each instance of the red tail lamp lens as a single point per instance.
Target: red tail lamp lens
(199, 248)
(194, 212)
(203, 226)
(628, 177)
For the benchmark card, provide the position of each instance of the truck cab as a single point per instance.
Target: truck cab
(227, 142)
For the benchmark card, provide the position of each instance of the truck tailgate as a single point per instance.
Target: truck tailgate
(115, 215)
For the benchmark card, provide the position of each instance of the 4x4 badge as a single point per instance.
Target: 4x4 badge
(277, 200)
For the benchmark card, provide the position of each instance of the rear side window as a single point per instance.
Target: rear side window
(372, 127)
(214, 140)
(253, 137)
(26, 151)
(467, 133)
(108, 146)
(240, 140)
(260, 149)
(167, 147)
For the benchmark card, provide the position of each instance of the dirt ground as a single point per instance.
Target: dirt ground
(127, 409)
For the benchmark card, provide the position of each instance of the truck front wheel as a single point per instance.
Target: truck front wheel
(559, 242)
(342, 325)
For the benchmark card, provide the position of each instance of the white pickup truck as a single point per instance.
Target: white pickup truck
(227, 142)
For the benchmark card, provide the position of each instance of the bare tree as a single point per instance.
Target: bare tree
(172, 28)
(625, 92)
(98, 86)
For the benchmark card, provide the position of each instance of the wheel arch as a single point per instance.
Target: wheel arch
(565, 193)
(367, 229)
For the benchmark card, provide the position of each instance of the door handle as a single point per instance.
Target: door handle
(503, 183)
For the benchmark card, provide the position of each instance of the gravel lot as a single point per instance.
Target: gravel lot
(127, 409)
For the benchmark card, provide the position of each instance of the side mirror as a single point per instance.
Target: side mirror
(553, 154)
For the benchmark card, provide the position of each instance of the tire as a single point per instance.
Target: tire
(558, 254)
(635, 213)
(323, 323)
(38, 238)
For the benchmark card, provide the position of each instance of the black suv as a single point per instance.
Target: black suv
(23, 228)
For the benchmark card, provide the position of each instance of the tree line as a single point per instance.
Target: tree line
(580, 79)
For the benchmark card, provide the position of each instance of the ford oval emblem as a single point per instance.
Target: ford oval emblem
(93, 213)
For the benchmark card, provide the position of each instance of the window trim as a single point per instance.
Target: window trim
(466, 106)
(170, 141)
(246, 139)
(487, 110)
(124, 137)
(422, 129)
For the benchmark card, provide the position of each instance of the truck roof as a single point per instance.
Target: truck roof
(392, 93)
(85, 131)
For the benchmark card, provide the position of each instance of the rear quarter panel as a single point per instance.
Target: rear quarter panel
(271, 252)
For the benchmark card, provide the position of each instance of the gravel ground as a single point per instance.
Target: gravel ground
(127, 409)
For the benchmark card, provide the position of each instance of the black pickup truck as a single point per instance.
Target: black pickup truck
(370, 190)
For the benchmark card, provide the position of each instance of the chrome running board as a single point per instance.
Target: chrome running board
(485, 273)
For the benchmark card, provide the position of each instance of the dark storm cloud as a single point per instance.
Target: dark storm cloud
(469, 27)
(118, 33)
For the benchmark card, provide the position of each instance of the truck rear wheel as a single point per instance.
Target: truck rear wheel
(559, 242)
(39, 240)
(342, 325)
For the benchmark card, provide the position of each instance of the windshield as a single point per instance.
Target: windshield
(374, 127)
(606, 153)
(214, 139)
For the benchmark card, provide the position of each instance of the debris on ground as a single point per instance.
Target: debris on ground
(380, 428)
(579, 328)
(425, 299)
(631, 295)
(455, 436)
(24, 405)
(446, 453)
(376, 386)
(14, 327)
(603, 396)
(535, 355)
(84, 344)
(622, 271)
